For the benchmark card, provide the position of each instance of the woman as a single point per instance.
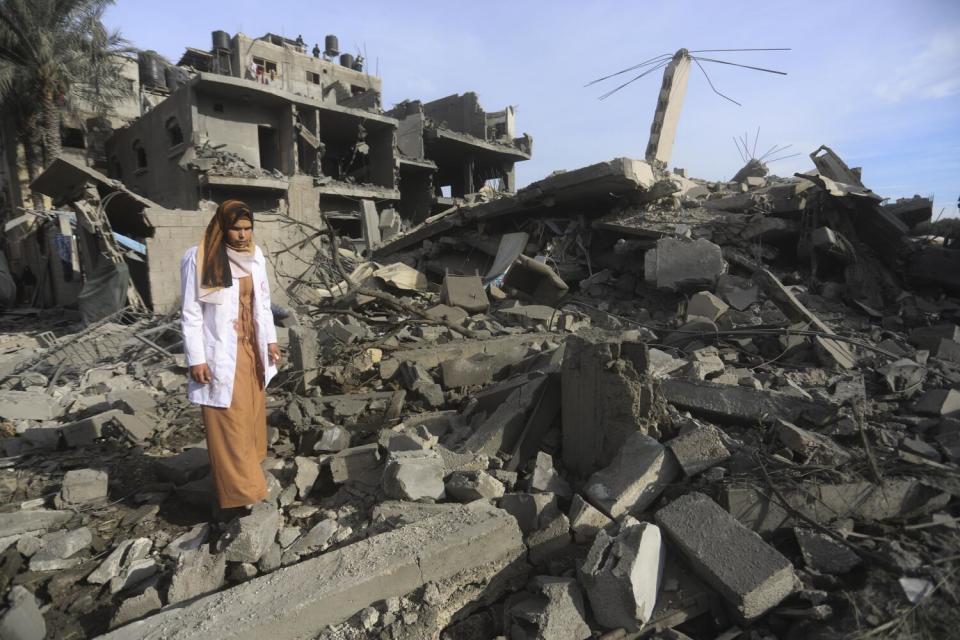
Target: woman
(231, 348)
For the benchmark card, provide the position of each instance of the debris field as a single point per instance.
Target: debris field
(619, 403)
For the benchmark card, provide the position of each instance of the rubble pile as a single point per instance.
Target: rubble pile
(216, 160)
(620, 403)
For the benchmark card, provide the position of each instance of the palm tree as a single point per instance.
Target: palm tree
(56, 56)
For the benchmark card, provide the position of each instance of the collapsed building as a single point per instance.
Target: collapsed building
(620, 402)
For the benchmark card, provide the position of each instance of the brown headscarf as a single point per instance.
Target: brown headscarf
(212, 260)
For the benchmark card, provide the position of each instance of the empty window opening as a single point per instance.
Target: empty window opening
(174, 132)
(141, 154)
(71, 137)
(313, 78)
(446, 191)
(269, 148)
(116, 171)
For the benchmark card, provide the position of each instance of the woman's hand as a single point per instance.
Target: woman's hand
(201, 373)
(273, 351)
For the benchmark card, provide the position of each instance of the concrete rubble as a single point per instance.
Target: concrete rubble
(619, 402)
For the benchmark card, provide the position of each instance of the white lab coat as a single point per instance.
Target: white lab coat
(209, 333)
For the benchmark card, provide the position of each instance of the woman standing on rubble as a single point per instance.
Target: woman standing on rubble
(230, 344)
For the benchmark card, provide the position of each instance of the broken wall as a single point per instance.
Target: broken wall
(236, 124)
(460, 113)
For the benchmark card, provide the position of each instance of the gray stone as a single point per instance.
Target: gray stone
(550, 540)
(270, 561)
(706, 305)
(59, 548)
(552, 610)
(134, 575)
(136, 607)
(307, 472)
(357, 464)
(585, 520)
(22, 620)
(189, 541)
(197, 573)
(317, 538)
(28, 405)
(28, 545)
(249, 537)
(545, 478)
(531, 510)
(751, 575)
(939, 402)
(467, 486)
(637, 476)
(84, 432)
(81, 486)
(119, 559)
(138, 428)
(332, 439)
(466, 292)
(288, 535)
(474, 551)
(17, 522)
(413, 475)
(824, 554)
(813, 447)
(677, 263)
(622, 575)
(698, 447)
(191, 464)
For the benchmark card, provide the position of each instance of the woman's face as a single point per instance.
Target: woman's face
(240, 234)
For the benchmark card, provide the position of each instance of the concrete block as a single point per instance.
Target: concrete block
(137, 427)
(550, 540)
(28, 405)
(357, 464)
(316, 539)
(585, 520)
(466, 292)
(332, 439)
(546, 479)
(370, 224)
(622, 575)
(706, 305)
(119, 559)
(249, 537)
(751, 575)
(197, 573)
(84, 432)
(414, 475)
(824, 554)
(303, 356)
(677, 263)
(467, 486)
(81, 486)
(928, 337)
(531, 510)
(698, 447)
(18, 522)
(551, 609)
(59, 550)
(22, 619)
(307, 471)
(136, 607)
(637, 476)
(134, 575)
(729, 404)
(813, 447)
(474, 551)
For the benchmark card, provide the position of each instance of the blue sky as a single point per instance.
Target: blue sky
(879, 82)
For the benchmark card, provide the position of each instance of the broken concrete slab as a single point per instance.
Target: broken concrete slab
(533, 280)
(939, 402)
(475, 548)
(551, 540)
(316, 539)
(824, 554)
(136, 427)
(552, 609)
(622, 575)
(83, 433)
(197, 573)
(307, 471)
(18, 522)
(22, 619)
(502, 428)
(414, 475)
(120, 559)
(708, 537)
(585, 520)
(546, 479)
(465, 292)
(637, 476)
(136, 607)
(28, 405)
(248, 537)
(726, 403)
(357, 464)
(531, 510)
(678, 263)
(81, 486)
(332, 439)
(188, 465)
(467, 486)
(59, 550)
(706, 305)
(134, 575)
(698, 447)
(813, 447)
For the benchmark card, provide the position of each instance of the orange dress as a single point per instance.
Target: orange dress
(237, 435)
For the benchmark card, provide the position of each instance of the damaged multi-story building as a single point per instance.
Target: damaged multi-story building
(290, 131)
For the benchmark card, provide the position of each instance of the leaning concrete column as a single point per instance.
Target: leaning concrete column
(670, 103)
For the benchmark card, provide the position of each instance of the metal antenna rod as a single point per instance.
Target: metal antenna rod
(793, 155)
(745, 66)
(753, 154)
(739, 150)
(710, 82)
(636, 66)
(648, 71)
(715, 50)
